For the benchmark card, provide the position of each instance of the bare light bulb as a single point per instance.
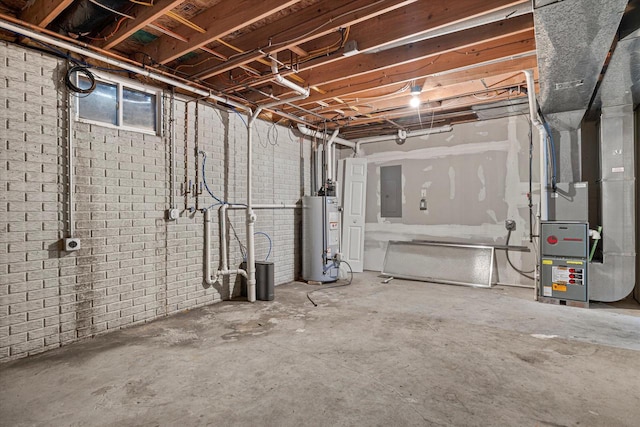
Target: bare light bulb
(414, 102)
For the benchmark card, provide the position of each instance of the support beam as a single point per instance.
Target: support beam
(144, 17)
(219, 21)
(43, 12)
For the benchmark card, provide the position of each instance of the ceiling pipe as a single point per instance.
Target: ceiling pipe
(120, 64)
(417, 133)
(317, 134)
(330, 154)
(286, 83)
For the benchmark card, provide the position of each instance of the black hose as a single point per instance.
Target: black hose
(522, 273)
(69, 80)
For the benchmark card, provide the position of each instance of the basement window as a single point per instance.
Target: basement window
(119, 103)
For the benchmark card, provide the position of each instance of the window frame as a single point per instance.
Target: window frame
(120, 84)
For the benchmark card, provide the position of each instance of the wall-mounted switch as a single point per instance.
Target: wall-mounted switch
(423, 193)
(423, 204)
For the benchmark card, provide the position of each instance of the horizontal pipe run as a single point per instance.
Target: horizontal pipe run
(118, 63)
(317, 134)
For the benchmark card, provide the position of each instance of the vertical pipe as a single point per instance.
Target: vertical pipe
(330, 155)
(222, 214)
(72, 223)
(250, 215)
(533, 115)
(207, 248)
(172, 140)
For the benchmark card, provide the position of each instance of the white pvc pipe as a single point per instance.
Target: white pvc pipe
(120, 64)
(317, 134)
(209, 278)
(533, 114)
(269, 206)
(72, 221)
(172, 135)
(421, 132)
(250, 215)
(222, 220)
(286, 83)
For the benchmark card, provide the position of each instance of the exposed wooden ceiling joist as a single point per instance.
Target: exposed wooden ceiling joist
(501, 48)
(312, 22)
(461, 41)
(144, 17)
(43, 12)
(218, 21)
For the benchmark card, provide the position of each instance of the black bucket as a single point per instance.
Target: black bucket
(265, 287)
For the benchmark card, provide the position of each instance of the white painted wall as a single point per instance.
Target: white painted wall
(475, 177)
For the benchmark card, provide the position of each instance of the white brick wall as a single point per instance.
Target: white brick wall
(134, 265)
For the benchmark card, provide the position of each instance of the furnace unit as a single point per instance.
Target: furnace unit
(564, 260)
(320, 238)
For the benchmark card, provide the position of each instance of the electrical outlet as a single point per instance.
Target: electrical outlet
(71, 244)
(510, 225)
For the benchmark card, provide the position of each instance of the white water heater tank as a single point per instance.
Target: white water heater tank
(320, 238)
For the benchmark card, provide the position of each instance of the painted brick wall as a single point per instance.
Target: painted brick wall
(134, 265)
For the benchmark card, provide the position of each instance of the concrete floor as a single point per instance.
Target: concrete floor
(403, 353)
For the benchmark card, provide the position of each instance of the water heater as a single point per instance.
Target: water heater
(320, 238)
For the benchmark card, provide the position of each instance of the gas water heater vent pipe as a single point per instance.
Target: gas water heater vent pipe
(330, 153)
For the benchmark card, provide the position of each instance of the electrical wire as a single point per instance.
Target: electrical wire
(326, 23)
(270, 242)
(522, 273)
(334, 286)
(108, 36)
(242, 247)
(111, 10)
(84, 71)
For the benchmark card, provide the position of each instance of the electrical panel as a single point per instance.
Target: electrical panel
(564, 260)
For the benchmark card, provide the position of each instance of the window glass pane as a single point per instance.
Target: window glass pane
(100, 105)
(138, 109)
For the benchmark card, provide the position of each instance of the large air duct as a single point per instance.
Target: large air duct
(615, 278)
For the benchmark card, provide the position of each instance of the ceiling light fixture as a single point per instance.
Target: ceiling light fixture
(414, 102)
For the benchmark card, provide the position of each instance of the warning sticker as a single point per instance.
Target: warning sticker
(547, 262)
(567, 275)
(547, 291)
(559, 287)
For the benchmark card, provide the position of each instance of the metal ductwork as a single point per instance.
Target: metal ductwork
(615, 278)
(573, 38)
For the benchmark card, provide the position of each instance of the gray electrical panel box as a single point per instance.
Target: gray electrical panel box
(564, 260)
(391, 191)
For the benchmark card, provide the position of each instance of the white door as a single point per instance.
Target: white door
(353, 203)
